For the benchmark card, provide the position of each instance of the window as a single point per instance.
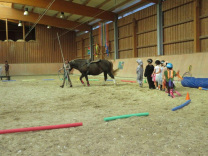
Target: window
(2, 30)
(15, 32)
(31, 35)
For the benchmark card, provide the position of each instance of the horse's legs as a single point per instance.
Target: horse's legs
(81, 79)
(105, 78)
(112, 76)
(86, 77)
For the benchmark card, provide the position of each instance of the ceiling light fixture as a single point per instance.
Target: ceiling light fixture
(49, 27)
(20, 24)
(26, 12)
(62, 15)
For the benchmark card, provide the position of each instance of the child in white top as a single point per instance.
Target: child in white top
(161, 74)
(157, 72)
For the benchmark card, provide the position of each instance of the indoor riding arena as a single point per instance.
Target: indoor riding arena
(103, 77)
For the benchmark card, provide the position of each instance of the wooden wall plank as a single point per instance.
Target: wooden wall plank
(197, 46)
(44, 50)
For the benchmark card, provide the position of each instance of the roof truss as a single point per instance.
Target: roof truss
(14, 14)
(69, 7)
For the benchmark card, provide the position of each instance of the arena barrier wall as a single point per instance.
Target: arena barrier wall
(33, 69)
(180, 62)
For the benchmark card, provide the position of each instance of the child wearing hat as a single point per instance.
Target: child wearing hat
(148, 73)
(169, 75)
(139, 72)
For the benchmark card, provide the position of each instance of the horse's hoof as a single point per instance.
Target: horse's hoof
(88, 85)
(62, 86)
(70, 85)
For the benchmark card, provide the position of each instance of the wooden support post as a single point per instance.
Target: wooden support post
(135, 38)
(197, 44)
(91, 45)
(23, 31)
(116, 38)
(7, 35)
(159, 28)
(83, 47)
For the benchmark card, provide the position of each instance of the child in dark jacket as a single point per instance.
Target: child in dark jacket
(148, 73)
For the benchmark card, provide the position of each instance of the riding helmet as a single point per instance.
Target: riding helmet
(169, 65)
(162, 61)
(157, 62)
(150, 60)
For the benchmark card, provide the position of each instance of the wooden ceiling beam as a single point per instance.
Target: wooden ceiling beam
(152, 1)
(9, 5)
(69, 7)
(14, 21)
(85, 3)
(14, 14)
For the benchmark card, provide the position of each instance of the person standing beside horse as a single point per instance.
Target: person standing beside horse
(66, 68)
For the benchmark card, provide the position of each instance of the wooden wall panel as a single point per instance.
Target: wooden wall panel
(203, 7)
(125, 20)
(148, 12)
(125, 31)
(125, 43)
(147, 52)
(169, 4)
(96, 39)
(178, 32)
(179, 48)
(147, 32)
(178, 27)
(147, 24)
(147, 39)
(111, 41)
(204, 27)
(44, 50)
(126, 54)
(179, 14)
(204, 45)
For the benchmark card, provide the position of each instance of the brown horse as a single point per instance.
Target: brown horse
(86, 67)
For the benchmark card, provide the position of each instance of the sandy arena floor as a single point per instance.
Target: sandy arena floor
(40, 103)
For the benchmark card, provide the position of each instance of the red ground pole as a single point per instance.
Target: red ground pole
(128, 81)
(40, 128)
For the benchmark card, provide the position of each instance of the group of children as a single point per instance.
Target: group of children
(159, 77)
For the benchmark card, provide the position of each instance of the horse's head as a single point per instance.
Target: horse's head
(71, 65)
(77, 63)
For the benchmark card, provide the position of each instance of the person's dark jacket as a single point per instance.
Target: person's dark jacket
(148, 70)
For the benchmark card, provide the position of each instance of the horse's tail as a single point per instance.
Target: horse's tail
(114, 72)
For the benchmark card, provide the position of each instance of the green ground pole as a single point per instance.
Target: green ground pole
(125, 116)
